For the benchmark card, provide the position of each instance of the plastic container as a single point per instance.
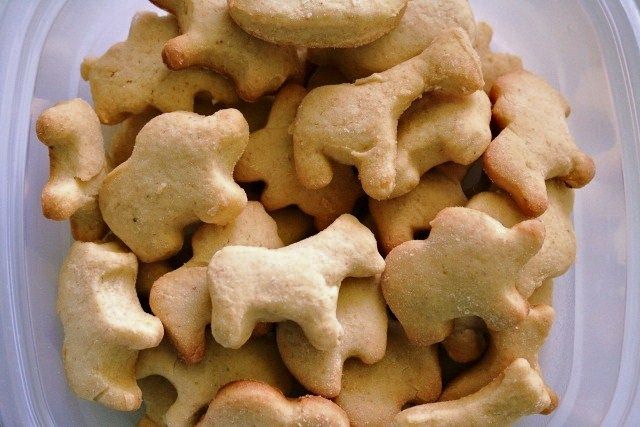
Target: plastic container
(586, 48)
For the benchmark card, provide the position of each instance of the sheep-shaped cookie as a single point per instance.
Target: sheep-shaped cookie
(299, 282)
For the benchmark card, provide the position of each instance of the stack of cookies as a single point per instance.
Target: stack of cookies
(312, 214)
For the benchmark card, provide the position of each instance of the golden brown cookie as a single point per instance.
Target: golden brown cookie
(469, 265)
(130, 77)
(534, 143)
(269, 158)
(209, 38)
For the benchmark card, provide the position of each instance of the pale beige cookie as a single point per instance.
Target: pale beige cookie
(103, 323)
(469, 265)
(373, 394)
(212, 40)
(438, 129)
(181, 298)
(124, 138)
(397, 220)
(179, 173)
(157, 395)
(523, 340)
(77, 167)
(362, 313)
(516, 392)
(467, 342)
(130, 77)
(269, 158)
(337, 23)
(356, 124)
(534, 143)
(293, 224)
(422, 22)
(494, 64)
(299, 282)
(558, 251)
(197, 384)
(252, 403)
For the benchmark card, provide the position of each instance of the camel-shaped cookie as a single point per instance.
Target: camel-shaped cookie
(197, 384)
(181, 298)
(438, 129)
(398, 219)
(335, 122)
(179, 172)
(209, 38)
(269, 158)
(130, 77)
(78, 166)
(516, 392)
(558, 252)
(521, 341)
(469, 265)
(252, 403)
(423, 21)
(374, 394)
(339, 23)
(362, 313)
(534, 143)
(103, 323)
(299, 282)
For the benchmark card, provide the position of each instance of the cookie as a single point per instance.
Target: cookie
(469, 265)
(335, 122)
(130, 77)
(534, 143)
(269, 158)
(494, 64)
(209, 38)
(341, 23)
(179, 173)
(196, 385)
(421, 23)
(374, 394)
(363, 316)
(299, 282)
(103, 324)
(397, 220)
(252, 403)
(437, 129)
(77, 167)
(516, 392)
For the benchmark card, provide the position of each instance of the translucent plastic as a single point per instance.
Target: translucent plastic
(586, 48)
